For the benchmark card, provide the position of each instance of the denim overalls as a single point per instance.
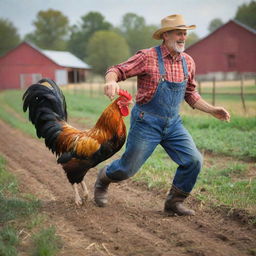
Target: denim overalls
(158, 122)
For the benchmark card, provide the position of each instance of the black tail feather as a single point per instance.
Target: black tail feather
(46, 105)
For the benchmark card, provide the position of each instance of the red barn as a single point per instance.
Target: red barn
(226, 52)
(26, 64)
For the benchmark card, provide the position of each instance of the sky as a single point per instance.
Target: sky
(22, 13)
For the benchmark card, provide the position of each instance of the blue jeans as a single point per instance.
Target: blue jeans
(146, 132)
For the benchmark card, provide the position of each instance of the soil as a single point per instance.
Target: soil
(133, 224)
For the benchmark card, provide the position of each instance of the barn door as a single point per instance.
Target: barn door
(61, 76)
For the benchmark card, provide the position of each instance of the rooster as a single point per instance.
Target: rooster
(77, 151)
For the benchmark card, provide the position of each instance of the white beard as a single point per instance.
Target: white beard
(176, 47)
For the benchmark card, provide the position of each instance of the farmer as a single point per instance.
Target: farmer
(166, 76)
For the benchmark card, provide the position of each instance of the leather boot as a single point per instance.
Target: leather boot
(101, 188)
(174, 202)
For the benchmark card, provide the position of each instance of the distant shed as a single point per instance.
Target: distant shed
(226, 53)
(26, 64)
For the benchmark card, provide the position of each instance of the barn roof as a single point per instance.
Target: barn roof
(251, 30)
(65, 59)
(245, 26)
(62, 58)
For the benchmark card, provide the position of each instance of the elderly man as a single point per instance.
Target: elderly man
(166, 76)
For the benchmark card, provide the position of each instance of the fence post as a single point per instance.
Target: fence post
(91, 89)
(213, 90)
(242, 92)
(199, 87)
(99, 90)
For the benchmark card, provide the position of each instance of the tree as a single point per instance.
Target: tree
(137, 34)
(214, 24)
(246, 14)
(191, 39)
(80, 35)
(51, 30)
(9, 36)
(106, 48)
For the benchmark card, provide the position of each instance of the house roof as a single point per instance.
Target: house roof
(62, 58)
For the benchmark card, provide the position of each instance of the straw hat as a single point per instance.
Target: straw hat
(171, 22)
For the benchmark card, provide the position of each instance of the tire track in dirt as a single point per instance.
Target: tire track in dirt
(132, 224)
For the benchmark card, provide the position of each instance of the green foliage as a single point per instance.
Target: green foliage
(51, 30)
(246, 14)
(9, 36)
(105, 49)
(8, 241)
(137, 34)
(46, 243)
(214, 24)
(80, 34)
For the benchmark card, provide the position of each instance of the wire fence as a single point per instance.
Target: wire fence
(243, 90)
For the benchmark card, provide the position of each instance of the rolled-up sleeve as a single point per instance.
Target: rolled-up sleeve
(191, 94)
(132, 67)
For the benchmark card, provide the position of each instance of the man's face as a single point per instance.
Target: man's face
(175, 40)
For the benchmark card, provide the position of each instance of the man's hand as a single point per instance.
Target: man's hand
(221, 113)
(218, 112)
(111, 89)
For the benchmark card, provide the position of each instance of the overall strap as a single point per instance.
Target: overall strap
(185, 67)
(160, 62)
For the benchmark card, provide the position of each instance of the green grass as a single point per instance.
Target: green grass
(12, 99)
(46, 242)
(8, 241)
(13, 208)
(81, 105)
(228, 186)
(236, 138)
(158, 170)
(229, 97)
(249, 89)
(20, 211)
(8, 183)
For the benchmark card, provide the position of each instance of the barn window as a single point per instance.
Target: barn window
(231, 60)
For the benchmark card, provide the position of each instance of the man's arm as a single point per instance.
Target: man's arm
(218, 112)
(134, 66)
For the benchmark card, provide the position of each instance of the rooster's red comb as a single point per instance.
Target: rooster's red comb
(125, 93)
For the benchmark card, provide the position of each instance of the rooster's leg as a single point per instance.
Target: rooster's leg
(85, 190)
(78, 199)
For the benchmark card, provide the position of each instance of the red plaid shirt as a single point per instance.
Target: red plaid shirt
(144, 65)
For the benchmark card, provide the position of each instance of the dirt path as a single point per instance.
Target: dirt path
(133, 224)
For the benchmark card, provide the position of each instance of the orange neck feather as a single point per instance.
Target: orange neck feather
(110, 119)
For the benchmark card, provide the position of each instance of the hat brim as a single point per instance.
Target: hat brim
(158, 34)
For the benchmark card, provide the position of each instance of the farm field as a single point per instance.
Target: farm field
(133, 223)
